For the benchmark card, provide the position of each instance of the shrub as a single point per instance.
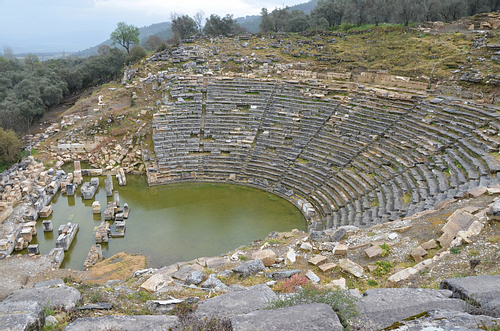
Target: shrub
(10, 146)
(341, 301)
(290, 285)
(382, 268)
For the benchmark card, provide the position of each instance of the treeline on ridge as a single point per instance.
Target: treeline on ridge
(329, 14)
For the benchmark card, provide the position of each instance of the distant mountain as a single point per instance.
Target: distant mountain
(160, 29)
(305, 7)
(251, 23)
(163, 30)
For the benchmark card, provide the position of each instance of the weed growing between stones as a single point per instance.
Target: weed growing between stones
(190, 322)
(49, 311)
(383, 267)
(341, 301)
(386, 250)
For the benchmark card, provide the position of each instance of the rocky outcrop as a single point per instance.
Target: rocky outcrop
(481, 292)
(239, 302)
(316, 316)
(380, 308)
(21, 315)
(64, 297)
(130, 323)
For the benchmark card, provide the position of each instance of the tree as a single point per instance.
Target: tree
(215, 25)
(265, 23)
(298, 21)
(31, 60)
(125, 35)
(153, 42)
(331, 10)
(136, 53)
(182, 26)
(10, 146)
(8, 54)
(409, 11)
(198, 19)
(103, 50)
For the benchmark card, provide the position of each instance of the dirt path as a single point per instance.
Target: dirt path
(53, 114)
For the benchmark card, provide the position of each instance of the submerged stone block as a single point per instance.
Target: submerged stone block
(33, 249)
(96, 207)
(46, 211)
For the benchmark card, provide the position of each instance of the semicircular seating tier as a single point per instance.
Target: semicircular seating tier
(358, 160)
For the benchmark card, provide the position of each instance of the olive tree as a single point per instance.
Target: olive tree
(125, 35)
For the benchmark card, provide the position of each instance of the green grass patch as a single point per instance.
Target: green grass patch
(407, 198)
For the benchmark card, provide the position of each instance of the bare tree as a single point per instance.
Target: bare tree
(409, 10)
(198, 19)
(8, 54)
(103, 50)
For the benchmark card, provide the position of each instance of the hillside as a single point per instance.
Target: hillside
(160, 29)
(385, 137)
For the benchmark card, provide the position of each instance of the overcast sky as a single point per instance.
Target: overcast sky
(74, 25)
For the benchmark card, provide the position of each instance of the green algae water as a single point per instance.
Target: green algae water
(171, 223)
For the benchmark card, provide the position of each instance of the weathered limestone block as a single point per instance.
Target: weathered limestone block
(494, 212)
(195, 278)
(341, 250)
(402, 275)
(94, 256)
(109, 212)
(185, 271)
(96, 207)
(66, 235)
(380, 308)
(482, 291)
(108, 183)
(46, 211)
(156, 282)
(282, 274)
(4, 244)
(57, 255)
(373, 251)
(102, 233)
(57, 297)
(476, 192)
(338, 283)
(327, 267)
(22, 315)
(291, 257)
(70, 189)
(33, 249)
(318, 260)
(418, 253)
(431, 244)
(312, 276)
(267, 256)
(130, 323)
(445, 319)
(27, 234)
(249, 268)
(214, 283)
(88, 191)
(351, 267)
(238, 302)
